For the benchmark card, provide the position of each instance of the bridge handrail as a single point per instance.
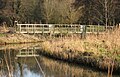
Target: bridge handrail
(47, 28)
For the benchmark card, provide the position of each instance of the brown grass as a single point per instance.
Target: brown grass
(106, 45)
(17, 38)
(102, 50)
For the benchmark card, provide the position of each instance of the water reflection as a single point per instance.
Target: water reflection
(20, 61)
(25, 72)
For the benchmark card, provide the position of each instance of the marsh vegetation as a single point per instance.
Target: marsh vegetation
(13, 66)
(101, 51)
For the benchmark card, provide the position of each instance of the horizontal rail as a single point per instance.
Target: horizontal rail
(59, 28)
(26, 55)
(47, 28)
(48, 24)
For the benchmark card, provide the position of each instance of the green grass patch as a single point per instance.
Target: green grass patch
(2, 35)
(95, 28)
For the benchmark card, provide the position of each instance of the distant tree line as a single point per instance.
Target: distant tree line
(105, 12)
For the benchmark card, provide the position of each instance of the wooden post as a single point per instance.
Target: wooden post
(98, 29)
(28, 29)
(75, 29)
(83, 34)
(90, 29)
(19, 28)
(35, 28)
(51, 30)
(81, 28)
(15, 25)
(71, 29)
(61, 30)
(42, 29)
(32, 29)
(53, 27)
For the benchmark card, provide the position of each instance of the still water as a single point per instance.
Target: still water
(24, 60)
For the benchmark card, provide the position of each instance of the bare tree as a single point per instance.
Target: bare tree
(61, 11)
(7, 10)
(105, 11)
(48, 10)
(26, 10)
(69, 13)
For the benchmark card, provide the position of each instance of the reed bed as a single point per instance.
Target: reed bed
(101, 51)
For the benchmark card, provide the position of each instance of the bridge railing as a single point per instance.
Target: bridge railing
(47, 28)
(32, 28)
(59, 28)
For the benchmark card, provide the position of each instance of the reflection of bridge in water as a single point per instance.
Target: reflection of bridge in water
(28, 52)
(22, 50)
(19, 53)
(23, 59)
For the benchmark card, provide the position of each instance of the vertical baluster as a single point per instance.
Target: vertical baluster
(90, 29)
(98, 29)
(33, 28)
(16, 25)
(26, 27)
(19, 28)
(75, 28)
(42, 29)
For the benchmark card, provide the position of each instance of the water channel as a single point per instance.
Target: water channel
(24, 60)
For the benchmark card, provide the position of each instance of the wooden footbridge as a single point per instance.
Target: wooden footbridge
(58, 28)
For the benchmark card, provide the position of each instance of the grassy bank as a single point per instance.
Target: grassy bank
(101, 51)
(8, 38)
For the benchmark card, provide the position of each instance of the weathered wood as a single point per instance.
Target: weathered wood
(57, 28)
(48, 28)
